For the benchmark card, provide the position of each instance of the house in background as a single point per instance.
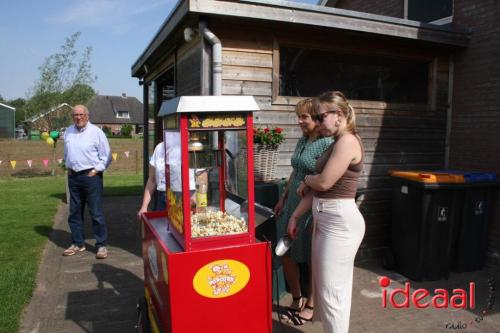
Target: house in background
(115, 111)
(7, 121)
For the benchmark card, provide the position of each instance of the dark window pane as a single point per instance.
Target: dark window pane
(429, 10)
(307, 72)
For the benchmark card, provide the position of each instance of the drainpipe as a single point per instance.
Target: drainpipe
(216, 58)
(449, 112)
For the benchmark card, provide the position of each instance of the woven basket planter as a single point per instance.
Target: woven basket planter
(265, 162)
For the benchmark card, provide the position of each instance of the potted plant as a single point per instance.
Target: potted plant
(266, 143)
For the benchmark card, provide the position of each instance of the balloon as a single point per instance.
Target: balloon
(54, 135)
(50, 141)
(45, 135)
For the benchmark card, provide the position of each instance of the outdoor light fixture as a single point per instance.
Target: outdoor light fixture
(189, 34)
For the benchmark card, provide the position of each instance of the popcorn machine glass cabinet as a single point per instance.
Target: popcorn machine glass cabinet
(217, 160)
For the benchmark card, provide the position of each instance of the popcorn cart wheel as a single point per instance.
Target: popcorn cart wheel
(143, 324)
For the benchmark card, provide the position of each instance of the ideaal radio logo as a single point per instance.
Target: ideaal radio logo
(399, 298)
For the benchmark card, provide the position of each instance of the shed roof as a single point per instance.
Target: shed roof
(7, 107)
(43, 114)
(104, 109)
(297, 13)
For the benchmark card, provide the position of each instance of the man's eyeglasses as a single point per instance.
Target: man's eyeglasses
(322, 116)
(76, 115)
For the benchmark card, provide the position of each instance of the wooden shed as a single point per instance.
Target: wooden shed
(394, 71)
(7, 121)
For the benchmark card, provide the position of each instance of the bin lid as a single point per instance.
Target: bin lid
(428, 176)
(474, 176)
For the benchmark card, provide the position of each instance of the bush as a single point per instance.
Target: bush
(106, 130)
(126, 130)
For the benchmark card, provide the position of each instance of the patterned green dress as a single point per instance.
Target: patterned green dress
(303, 163)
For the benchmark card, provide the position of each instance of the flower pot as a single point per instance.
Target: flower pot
(265, 162)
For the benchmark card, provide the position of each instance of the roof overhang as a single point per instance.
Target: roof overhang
(298, 13)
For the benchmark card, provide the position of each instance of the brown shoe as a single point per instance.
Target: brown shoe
(102, 253)
(73, 249)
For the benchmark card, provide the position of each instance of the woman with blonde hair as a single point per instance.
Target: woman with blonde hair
(339, 226)
(309, 147)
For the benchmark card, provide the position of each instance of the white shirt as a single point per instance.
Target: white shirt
(157, 161)
(86, 148)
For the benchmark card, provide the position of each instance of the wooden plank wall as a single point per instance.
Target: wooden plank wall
(188, 71)
(395, 136)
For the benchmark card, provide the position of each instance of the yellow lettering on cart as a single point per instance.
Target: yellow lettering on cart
(216, 122)
(221, 278)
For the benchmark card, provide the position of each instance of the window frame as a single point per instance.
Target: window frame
(120, 117)
(277, 99)
(440, 21)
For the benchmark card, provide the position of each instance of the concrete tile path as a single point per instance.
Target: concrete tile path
(83, 294)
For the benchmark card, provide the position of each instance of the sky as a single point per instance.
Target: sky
(117, 30)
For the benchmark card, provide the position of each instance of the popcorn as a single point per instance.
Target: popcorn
(212, 223)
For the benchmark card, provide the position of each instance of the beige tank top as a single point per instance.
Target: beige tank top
(347, 185)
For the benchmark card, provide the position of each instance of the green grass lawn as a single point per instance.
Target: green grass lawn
(28, 205)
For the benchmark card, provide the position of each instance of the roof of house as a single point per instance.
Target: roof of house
(8, 107)
(294, 13)
(43, 114)
(105, 109)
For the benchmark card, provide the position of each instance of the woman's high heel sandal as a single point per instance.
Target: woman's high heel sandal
(296, 319)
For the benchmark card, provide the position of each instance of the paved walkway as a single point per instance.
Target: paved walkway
(82, 294)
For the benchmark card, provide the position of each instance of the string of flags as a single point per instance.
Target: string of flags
(45, 161)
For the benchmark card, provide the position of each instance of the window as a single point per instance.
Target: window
(122, 114)
(309, 72)
(433, 11)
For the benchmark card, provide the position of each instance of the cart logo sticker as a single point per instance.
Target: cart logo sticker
(442, 214)
(221, 278)
(479, 208)
(153, 263)
(174, 211)
(218, 121)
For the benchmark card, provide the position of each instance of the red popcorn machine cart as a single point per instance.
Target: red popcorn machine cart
(204, 270)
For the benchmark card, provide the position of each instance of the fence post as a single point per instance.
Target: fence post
(136, 162)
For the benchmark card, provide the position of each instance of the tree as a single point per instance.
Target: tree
(65, 77)
(19, 104)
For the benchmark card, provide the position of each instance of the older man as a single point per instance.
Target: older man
(87, 155)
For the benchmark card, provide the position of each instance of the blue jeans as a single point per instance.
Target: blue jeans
(86, 190)
(160, 203)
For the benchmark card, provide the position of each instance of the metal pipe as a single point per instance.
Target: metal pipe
(449, 112)
(216, 58)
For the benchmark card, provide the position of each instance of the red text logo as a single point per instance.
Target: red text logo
(402, 297)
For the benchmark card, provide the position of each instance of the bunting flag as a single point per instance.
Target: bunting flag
(13, 164)
(126, 154)
(59, 160)
(45, 162)
(0, 162)
(114, 156)
(30, 162)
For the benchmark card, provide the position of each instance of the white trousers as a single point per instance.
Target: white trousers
(339, 228)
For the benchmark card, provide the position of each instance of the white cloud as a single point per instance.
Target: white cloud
(118, 15)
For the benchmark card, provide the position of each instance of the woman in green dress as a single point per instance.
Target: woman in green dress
(309, 148)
